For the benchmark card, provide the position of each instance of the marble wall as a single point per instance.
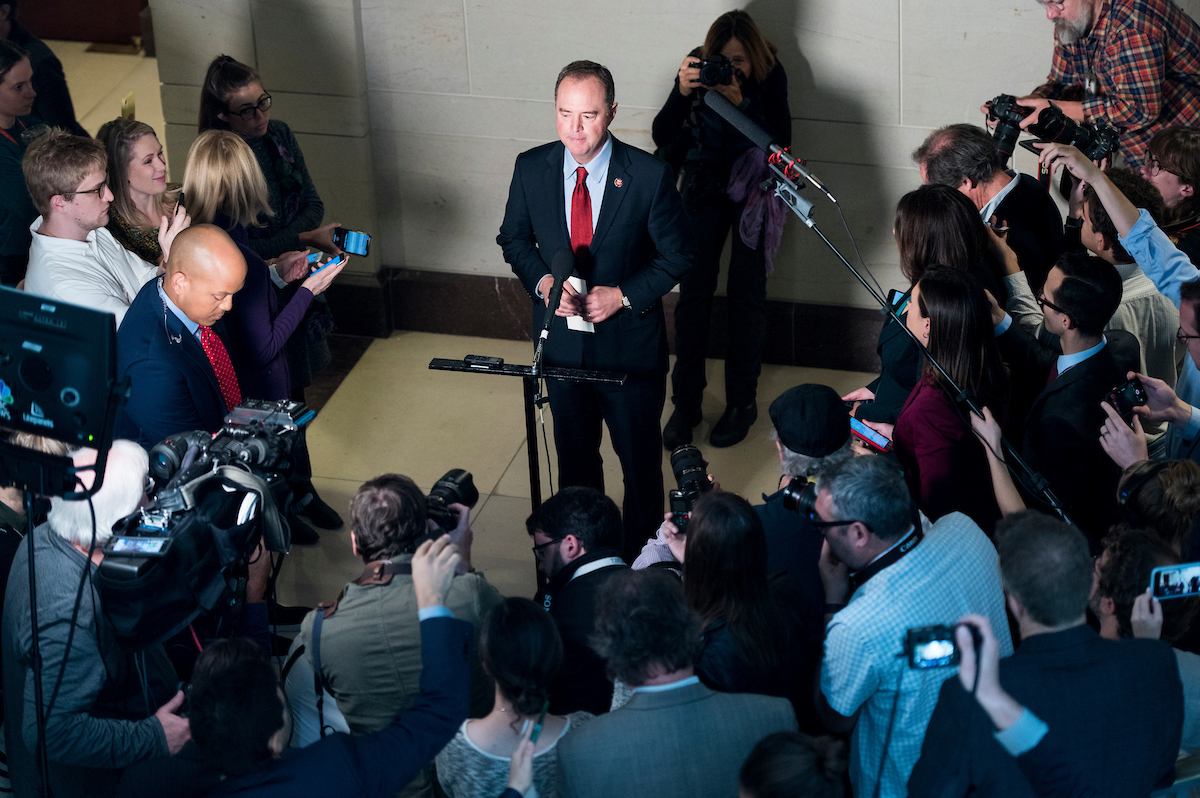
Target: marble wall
(411, 112)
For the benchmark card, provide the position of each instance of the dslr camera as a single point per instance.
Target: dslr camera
(715, 71)
(936, 647)
(691, 475)
(455, 487)
(1096, 140)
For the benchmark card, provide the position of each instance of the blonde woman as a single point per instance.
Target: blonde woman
(137, 178)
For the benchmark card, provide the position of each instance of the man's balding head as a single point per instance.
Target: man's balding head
(204, 271)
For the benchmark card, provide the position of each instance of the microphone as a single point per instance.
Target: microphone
(761, 138)
(560, 269)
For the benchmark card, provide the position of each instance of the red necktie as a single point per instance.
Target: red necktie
(221, 364)
(1053, 373)
(581, 213)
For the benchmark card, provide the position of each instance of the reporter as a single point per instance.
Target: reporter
(16, 208)
(721, 170)
(944, 463)
(1173, 166)
(137, 178)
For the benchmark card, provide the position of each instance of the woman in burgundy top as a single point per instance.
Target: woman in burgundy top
(944, 462)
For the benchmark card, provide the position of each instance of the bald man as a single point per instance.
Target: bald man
(171, 343)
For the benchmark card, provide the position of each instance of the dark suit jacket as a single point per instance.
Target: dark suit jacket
(688, 742)
(581, 683)
(641, 243)
(1035, 228)
(1061, 437)
(173, 386)
(1114, 707)
(379, 764)
(257, 329)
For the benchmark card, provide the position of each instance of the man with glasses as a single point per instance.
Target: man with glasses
(1132, 63)
(577, 538)
(73, 258)
(1175, 276)
(886, 571)
(1144, 312)
(1061, 424)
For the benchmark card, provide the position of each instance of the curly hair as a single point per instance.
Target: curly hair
(387, 515)
(788, 764)
(1167, 504)
(1129, 557)
(521, 650)
(644, 627)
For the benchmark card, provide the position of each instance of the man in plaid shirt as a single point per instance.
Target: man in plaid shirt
(1132, 63)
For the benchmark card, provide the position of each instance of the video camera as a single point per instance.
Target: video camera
(1096, 140)
(691, 475)
(216, 496)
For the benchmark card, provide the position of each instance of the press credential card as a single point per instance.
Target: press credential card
(577, 323)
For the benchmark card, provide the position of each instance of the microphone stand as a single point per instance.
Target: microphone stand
(788, 190)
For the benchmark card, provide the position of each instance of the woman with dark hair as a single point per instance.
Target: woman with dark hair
(791, 764)
(750, 643)
(722, 171)
(521, 651)
(934, 225)
(137, 178)
(944, 463)
(1174, 169)
(16, 125)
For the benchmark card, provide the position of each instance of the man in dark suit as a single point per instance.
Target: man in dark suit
(1061, 434)
(170, 343)
(965, 157)
(1113, 710)
(675, 738)
(240, 724)
(577, 543)
(616, 208)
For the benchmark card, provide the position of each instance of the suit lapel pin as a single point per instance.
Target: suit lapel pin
(618, 182)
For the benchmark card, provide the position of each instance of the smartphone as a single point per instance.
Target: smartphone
(330, 262)
(931, 647)
(144, 547)
(869, 436)
(537, 727)
(1125, 397)
(351, 241)
(314, 257)
(1175, 581)
(180, 202)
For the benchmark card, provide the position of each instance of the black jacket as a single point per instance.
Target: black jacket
(581, 683)
(1035, 228)
(793, 551)
(1114, 708)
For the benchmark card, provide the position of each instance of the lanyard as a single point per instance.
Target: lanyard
(8, 135)
(859, 578)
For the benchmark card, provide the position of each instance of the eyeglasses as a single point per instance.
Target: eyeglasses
(539, 551)
(261, 107)
(820, 523)
(1044, 303)
(1183, 337)
(98, 191)
(1154, 166)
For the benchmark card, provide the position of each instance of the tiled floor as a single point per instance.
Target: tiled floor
(391, 413)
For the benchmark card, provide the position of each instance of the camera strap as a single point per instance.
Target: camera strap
(890, 557)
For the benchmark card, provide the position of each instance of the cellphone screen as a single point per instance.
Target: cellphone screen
(1176, 581)
(139, 545)
(934, 654)
(871, 436)
(356, 243)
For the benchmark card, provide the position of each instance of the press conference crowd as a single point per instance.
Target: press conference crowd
(960, 584)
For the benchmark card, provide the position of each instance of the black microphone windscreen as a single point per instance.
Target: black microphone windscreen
(562, 264)
(730, 113)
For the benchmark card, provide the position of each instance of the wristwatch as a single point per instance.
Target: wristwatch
(625, 303)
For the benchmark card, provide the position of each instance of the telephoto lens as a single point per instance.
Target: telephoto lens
(455, 487)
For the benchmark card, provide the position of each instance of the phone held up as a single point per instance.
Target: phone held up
(352, 241)
(871, 437)
(1175, 581)
(1125, 397)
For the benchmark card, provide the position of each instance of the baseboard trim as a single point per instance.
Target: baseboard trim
(798, 333)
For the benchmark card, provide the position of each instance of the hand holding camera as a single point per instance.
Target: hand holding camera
(433, 567)
(980, 665)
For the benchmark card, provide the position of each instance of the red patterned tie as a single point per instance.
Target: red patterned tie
(219, 358)
(581, 213)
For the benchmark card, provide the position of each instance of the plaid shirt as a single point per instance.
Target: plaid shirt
(1146, 56)
(953, 571)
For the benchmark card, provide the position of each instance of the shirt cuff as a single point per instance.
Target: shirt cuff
(275, 278)
(540, 295)
(1003, 326)
(434, 612)
(1024, 735)
(1192, 429)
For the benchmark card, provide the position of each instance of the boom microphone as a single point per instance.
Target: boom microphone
(761, 138)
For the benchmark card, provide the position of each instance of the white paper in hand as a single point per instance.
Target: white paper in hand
(577, 323)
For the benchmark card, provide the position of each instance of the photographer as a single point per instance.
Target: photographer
(1092, 693)
(105, 709)
(1132, 63)
(1174, 169)
(370, 639)
(721, 170)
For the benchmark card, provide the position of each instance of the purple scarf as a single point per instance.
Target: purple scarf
(762, 208)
